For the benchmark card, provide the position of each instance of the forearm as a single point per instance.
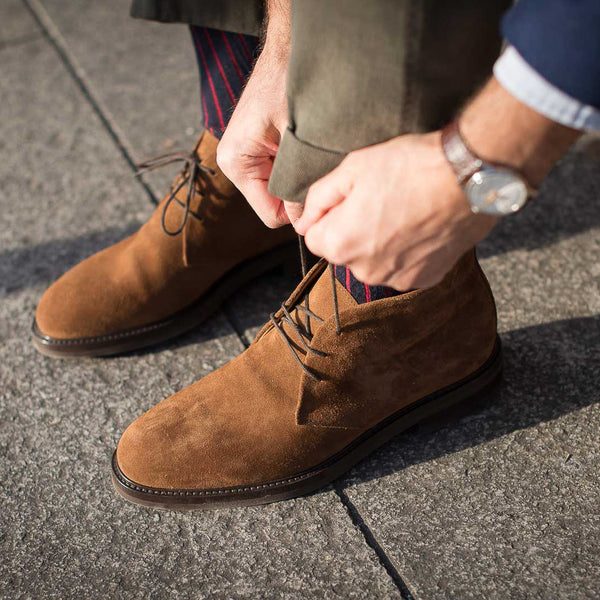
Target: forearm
(501, 129)
(276, 38)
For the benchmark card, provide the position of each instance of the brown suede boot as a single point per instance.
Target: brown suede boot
(318, 389)
(201, 244)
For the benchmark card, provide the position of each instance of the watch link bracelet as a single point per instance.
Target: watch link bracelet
(490, 189)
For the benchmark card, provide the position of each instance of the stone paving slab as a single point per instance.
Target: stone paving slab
(505, 504)
(144, 74)
(65, 192)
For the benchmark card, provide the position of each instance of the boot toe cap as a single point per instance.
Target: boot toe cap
(61, 315)
(87, 301)
(154, 451)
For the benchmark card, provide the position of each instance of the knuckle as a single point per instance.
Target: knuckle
(372, 278)
(312, 195)
(405, 281)
(371, 248)
(350, 159)
(225, 158)
(401, 284)
(418, 279)
(266, 216)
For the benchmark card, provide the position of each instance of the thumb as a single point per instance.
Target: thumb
(323, 195)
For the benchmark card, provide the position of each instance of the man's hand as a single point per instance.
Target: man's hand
(252, 137)
(393, 213)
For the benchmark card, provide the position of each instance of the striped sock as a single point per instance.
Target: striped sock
(362, 292)
(224, 60)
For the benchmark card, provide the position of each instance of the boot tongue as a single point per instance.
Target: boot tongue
(206, 149)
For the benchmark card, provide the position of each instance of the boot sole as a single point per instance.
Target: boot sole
(428, 414)
(175, 325)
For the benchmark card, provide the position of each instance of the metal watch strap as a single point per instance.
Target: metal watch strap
(465, 162)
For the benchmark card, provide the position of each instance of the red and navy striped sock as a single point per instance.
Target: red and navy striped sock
(225, 60)
(362, 292)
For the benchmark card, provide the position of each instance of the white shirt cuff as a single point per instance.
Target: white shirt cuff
(522, 81)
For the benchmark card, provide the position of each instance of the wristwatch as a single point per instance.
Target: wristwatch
(491, 189)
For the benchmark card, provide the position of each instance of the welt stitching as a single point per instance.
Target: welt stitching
(217, 492)
(102, 338)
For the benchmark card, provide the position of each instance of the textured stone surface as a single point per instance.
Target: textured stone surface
(144, 73)
(249, 309)
(65, 192)
(505, 504)
(16, 25)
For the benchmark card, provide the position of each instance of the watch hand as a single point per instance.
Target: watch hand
(492, 196)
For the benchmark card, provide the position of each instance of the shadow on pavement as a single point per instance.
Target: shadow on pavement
(21, 268)
(550, 370)
(567, 206)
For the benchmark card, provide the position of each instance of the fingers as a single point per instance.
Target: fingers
(323, 195)
(270, 209)
(250, 172)
(333, 236)
(293, 210)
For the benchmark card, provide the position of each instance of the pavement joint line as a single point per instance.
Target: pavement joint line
(56, 40)
(372, 542)
(240, 332)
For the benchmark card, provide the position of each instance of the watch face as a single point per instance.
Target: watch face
(496, 191)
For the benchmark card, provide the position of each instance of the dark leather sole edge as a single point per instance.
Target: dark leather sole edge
(428, 414)
(179, 323)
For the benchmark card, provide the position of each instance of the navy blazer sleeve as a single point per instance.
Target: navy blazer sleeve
(560, 39)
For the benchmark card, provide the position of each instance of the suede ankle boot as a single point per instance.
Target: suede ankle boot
(325, 382)
(202, 243)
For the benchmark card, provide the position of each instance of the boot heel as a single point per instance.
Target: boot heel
(453, 414)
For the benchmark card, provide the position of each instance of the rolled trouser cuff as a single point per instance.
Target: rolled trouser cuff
(361, 73)
(297, 165)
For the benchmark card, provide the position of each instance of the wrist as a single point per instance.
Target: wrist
(452, 201)
(502, 130)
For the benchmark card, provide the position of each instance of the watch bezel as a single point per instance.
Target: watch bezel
(493, 208)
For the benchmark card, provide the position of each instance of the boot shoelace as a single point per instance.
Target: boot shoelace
(190, 173)
(303, 331)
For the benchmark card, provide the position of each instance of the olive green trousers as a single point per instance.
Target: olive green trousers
(361, 72)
